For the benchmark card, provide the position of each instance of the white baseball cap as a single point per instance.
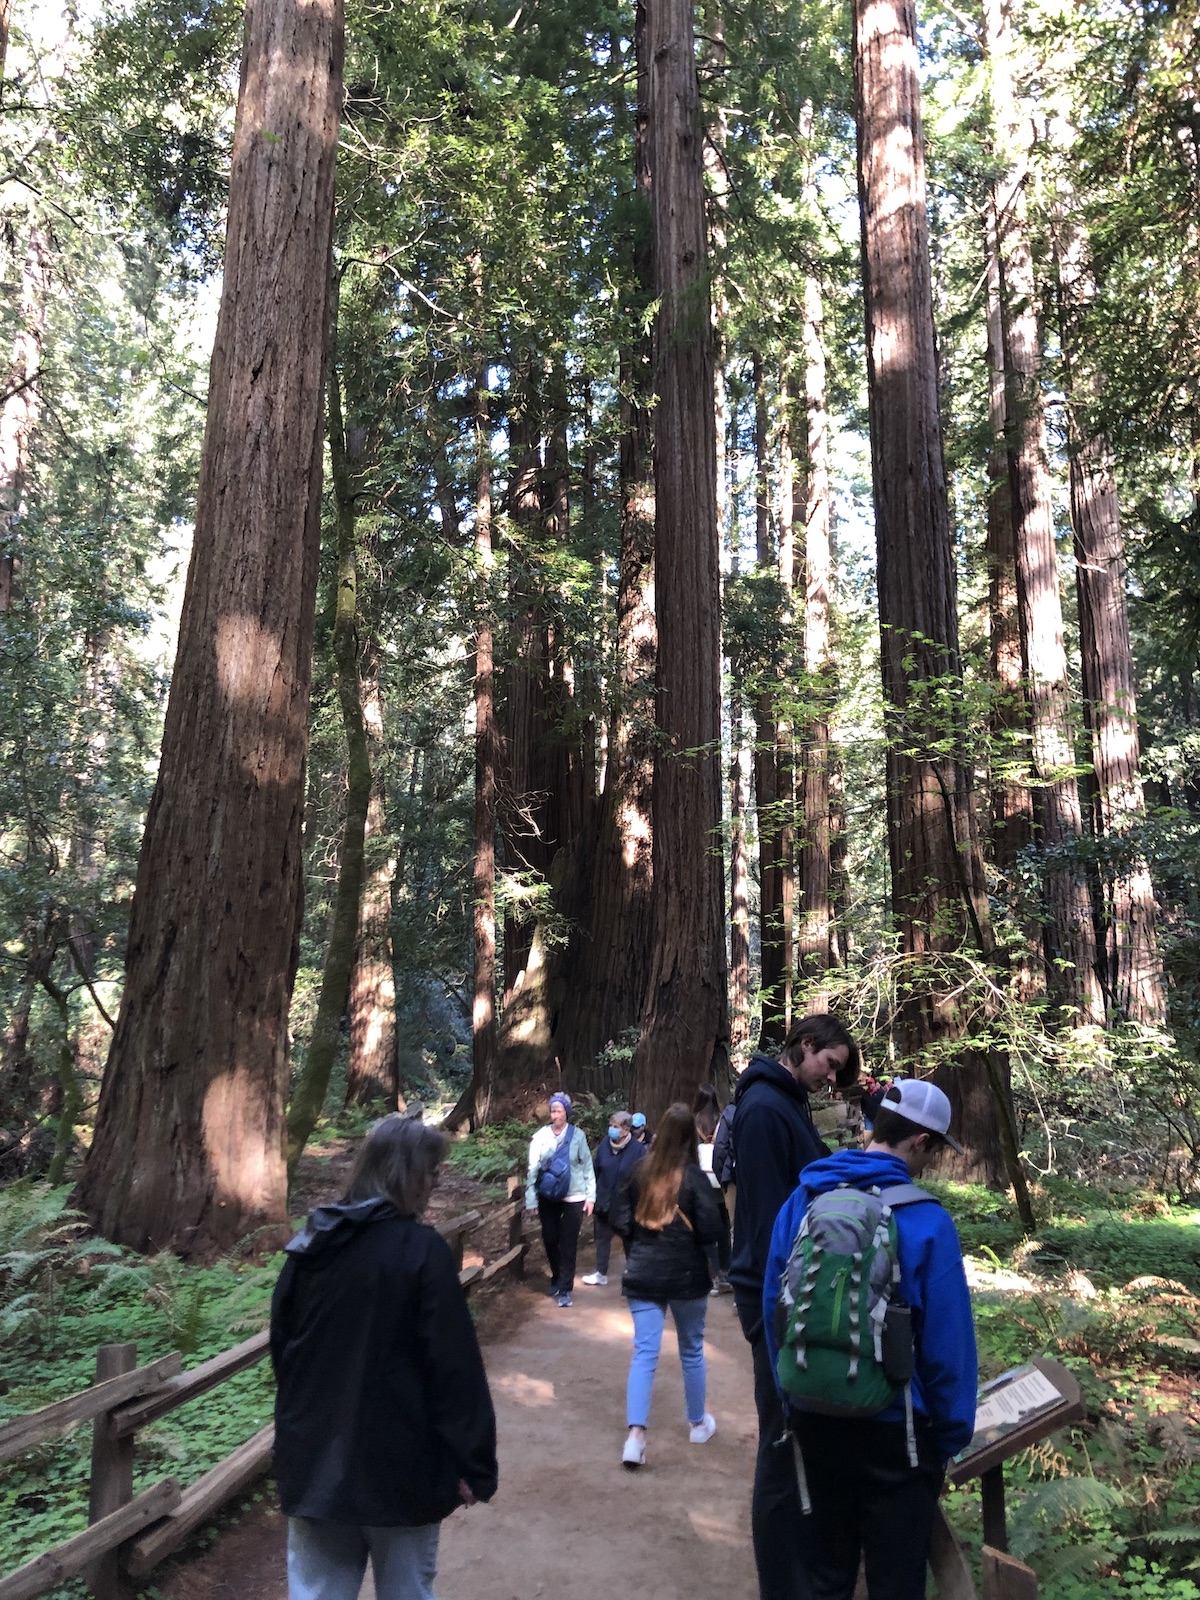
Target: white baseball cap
(923, 1103)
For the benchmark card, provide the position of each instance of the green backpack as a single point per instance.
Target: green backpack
(845, 1338)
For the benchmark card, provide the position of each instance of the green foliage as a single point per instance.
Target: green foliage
(493, 1153)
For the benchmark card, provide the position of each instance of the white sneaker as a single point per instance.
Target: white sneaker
(701, 1432)
(594, 1278)
(634, 1453)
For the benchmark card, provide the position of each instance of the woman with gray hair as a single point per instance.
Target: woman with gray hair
(561, 1185)
(383, 1420)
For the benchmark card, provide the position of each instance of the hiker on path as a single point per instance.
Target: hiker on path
(774, 1137)
(561, 1186)
(614, 1159)
(706, 1109)
(640, 1131)
(383, 1420)
(666, 1215)
(873, 1481)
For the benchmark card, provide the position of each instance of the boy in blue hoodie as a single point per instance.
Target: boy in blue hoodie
(867, 1499)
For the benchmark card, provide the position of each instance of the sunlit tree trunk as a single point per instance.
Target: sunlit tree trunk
(1069, 933)
(936, 868)
(372, 1076)
(685, 1027)
(189, 1147)
(766, 773)
(22, 398)
(739, 772)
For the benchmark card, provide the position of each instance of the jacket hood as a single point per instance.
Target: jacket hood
(330, 1227)
(765, 1069)
(861, 1169)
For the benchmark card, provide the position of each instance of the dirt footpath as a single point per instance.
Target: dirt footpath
(568, 1519)
(567, 1516)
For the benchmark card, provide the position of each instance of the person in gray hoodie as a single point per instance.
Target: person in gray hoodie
(383, 1420)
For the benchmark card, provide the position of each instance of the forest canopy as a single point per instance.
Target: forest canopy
(548, 542)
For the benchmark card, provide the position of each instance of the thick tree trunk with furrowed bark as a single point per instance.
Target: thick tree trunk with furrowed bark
(936, 869)
(685, 1026)
(372, 1076)
(189, 1142)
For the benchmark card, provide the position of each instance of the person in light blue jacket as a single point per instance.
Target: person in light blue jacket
(561, 1219)
(867, 1499)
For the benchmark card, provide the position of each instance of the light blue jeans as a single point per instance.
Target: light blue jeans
(649, 1319)
(327, 1560)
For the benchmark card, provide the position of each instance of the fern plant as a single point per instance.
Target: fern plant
(41, 1239)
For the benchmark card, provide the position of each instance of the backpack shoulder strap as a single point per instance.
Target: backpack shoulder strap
(906, 1194)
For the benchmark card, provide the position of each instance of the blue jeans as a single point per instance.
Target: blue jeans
(649, 1319)
(327, 1560)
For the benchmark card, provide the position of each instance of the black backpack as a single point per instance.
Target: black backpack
(724, 1161)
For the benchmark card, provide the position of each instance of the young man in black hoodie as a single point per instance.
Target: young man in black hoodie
(774, 1138)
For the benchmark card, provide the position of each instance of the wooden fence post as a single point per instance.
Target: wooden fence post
(1006, 1579)
(516, 1224)
(112, 1477)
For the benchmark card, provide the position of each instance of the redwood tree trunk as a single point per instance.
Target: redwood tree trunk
(309, 1094)
(1069, 935)
(936, 869)
(608, 977)
(1133, 967)
(189, 1142)
(372, 1075)
(685, 1028)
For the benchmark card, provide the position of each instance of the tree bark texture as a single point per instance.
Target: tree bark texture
(372, 1068)
(766, 773)
(936, 868)
(1069, 935)
(309, 1095)
(685, 1028)
(189, 1142)
(740, 767)
(19, 415)
(611, 960)
(1133, 968)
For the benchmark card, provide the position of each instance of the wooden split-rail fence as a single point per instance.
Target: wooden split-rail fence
(128, 1534)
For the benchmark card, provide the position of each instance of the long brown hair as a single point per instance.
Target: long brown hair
(661, 1173)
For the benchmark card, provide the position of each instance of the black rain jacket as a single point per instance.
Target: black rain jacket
(382, 1402)
(668, 1263)
(774, 1139)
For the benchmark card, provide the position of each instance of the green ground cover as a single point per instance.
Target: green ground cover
(1110, 1287)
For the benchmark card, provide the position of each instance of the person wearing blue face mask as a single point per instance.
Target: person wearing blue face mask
(614, 1158)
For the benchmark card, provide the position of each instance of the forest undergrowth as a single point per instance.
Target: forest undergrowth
(1110, 1287)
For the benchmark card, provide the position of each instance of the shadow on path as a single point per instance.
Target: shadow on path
(567, 1516)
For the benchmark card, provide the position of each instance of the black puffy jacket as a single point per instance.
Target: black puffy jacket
(668, 1263)
(612, 1167)
(382, 1403)
(774, 1138)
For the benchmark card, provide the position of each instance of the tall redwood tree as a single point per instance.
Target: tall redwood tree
(685, 1026)
(189, 1142)
(936, 867)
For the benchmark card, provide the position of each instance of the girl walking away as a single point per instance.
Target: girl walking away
(616, 1156)
(562, 1187)
(383, 1420)
(667, 1216)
